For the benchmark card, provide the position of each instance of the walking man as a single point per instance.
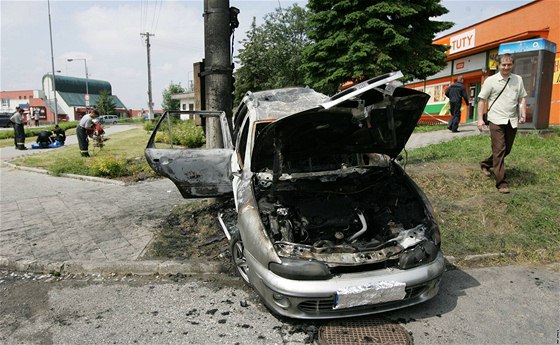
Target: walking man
(85, 125)
(506, 94)
(19, 132)
(456, 93)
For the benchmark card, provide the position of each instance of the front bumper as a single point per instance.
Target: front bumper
(316, 299)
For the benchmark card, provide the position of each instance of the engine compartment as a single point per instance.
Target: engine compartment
(358, 218)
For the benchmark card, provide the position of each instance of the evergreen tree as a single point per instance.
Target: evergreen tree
(272, 53)
(169, 103)
(105, 104)
(356, 39)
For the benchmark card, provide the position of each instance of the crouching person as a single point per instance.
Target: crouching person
(44, 139)
(59, 134)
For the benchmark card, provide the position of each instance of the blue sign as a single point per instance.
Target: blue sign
(527, 46)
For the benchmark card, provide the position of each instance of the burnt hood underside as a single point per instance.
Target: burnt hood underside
(351, 127)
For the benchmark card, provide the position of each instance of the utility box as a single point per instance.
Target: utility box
(534, 62)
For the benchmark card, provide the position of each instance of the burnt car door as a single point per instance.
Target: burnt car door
(197, 172)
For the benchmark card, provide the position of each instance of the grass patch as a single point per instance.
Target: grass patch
(121, 158)
(474, 217)
(430, 128)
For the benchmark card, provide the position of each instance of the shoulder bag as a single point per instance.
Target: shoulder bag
(485, 115)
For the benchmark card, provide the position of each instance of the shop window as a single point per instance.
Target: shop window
(436, 92)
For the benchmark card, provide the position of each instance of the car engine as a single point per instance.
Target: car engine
(358, 218)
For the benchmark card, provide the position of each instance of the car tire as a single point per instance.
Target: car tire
(238, 257)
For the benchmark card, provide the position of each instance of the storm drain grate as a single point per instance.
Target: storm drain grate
(368, 331)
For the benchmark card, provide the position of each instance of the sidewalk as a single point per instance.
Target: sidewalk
(57, 224)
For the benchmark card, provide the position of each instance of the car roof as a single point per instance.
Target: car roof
(277, 103)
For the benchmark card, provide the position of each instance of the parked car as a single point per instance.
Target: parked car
(326, 223)
(5, 120)
(108, 119)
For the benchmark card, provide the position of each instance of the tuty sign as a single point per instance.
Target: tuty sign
(462, 41)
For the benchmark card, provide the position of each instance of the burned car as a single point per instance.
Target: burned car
(326, 223)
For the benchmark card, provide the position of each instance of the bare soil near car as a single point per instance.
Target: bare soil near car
(192, 232)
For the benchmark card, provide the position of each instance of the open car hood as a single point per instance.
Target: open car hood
(375, 116)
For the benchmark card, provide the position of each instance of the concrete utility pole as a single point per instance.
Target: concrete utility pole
(218, 68)
(150, 103)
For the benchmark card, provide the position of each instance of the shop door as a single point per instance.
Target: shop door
(473, 90)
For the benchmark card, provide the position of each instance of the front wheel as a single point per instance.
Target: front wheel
(238, 257)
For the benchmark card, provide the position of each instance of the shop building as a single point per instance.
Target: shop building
(531, 33)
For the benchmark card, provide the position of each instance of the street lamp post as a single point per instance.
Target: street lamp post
(87, 90)
(52, 65)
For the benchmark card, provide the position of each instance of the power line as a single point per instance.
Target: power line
(155, 18)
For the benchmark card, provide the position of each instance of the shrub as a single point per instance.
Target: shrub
(190, 135)
(185, 134)
(149, 125)
(110, 166)
(65, 165)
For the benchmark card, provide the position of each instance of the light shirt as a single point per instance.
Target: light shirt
(505, 109)
(17, 118)
(86, 121)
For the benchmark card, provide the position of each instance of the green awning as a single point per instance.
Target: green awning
(79, 100)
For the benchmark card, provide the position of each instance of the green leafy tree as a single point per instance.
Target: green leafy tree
(169, 103)
(356, 39)
(272, 53)
(105, 103)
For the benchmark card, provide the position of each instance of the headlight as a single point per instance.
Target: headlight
(419, 255)
(300, 269)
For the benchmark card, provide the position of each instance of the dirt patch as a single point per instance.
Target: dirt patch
(192, 231)
(138, 177)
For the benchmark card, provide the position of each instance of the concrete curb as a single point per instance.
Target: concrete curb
(481, 257)
(74, 176)
(147, 267)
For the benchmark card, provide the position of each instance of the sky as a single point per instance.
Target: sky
(107, 35)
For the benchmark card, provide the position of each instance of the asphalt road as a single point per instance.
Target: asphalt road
(493, 305)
